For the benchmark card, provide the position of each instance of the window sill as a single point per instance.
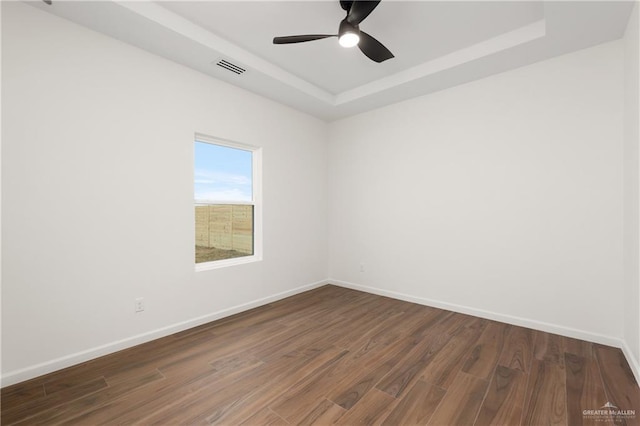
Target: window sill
(216, 264)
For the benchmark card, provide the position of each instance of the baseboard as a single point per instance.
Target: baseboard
(31, 372)
(634, 363)
(631, 359)
(79, 357)
(495, 316)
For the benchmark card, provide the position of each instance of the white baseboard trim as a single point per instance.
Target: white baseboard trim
(495, 316)
(631, 359)
(33, 371)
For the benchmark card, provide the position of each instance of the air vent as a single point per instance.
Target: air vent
(230, 67)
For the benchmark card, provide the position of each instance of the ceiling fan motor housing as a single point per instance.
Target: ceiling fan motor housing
(346, 27)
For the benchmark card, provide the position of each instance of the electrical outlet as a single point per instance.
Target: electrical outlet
(139, 304)
(362, 267)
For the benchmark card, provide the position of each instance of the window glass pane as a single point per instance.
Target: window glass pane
(224, 211)
(222, 173)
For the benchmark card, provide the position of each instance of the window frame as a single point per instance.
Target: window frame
(256, 190)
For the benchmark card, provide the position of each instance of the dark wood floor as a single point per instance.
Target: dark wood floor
(334, 355)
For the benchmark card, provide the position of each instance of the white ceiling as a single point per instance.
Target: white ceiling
(414, 32)
(437, 44)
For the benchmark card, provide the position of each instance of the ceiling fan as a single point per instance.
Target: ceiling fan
(349, 34)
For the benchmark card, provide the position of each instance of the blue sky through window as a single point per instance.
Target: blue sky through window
(222, 173)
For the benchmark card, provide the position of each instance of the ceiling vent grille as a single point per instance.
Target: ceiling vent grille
(230, 67)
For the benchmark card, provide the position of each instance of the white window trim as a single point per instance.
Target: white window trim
(256, 180)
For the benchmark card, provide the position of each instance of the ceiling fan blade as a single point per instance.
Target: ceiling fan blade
(300, 38)
(373, 48)
(360, 10)
(346, 4)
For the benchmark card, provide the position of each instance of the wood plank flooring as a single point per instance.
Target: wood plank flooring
(339, 356)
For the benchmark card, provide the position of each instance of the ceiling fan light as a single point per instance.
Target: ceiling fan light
(349, 39)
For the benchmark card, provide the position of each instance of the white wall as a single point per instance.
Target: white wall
(632, 187)
(96, 134)
(501, 197)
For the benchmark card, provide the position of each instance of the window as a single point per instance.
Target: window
(227, 210)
